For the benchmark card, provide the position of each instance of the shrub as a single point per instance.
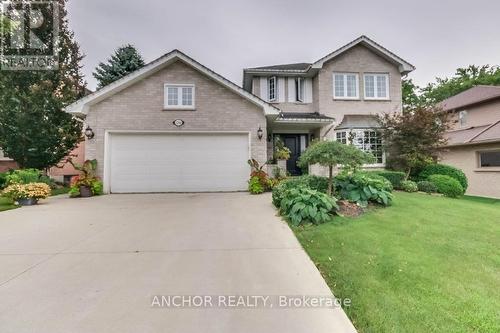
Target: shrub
(442, 169)
(3, 180)
(23, 176)
(426, 186)
(387, 184)
(255, 186)
(395, 177)
(97, 187)
(409, 186)
(302, 204)
(446, 185)
(362, 189)
(313, 182)
(259, 173)
(27, 191)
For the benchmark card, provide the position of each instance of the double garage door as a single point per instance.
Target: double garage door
(178, 162)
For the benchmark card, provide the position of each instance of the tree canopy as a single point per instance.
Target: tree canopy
(124, 61)
(333, 153)
(34, 129)
(443, 88)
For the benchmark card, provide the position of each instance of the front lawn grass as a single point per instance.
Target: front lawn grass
(425, 264)
(6, 204)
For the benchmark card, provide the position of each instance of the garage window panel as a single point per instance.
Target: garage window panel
(179, 96)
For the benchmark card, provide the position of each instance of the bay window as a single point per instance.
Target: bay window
(367, 140)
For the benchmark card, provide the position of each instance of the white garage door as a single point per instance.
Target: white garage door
(178, 162)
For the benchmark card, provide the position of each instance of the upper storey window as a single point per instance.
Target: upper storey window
(376, 86)
(345, 86)
(272, 89)
(179, 96)
(462, 118)
(299, 89)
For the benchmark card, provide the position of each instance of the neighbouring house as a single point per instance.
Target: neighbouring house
(6, 163)
(64, 171)
(177, 126)
(474, 140)
(337, 97)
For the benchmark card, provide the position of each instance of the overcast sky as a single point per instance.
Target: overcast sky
(436, 36)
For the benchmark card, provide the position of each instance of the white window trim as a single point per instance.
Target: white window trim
(375, 86)
(347, 133)
(275, 79)
(464, 118)
(300, 86)
(345, 97)
(179, 106)
(480, 162)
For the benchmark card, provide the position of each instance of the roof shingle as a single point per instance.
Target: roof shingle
(471, 96)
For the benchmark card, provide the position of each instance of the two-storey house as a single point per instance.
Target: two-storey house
(336, 97)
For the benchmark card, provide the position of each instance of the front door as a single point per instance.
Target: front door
(292, 142)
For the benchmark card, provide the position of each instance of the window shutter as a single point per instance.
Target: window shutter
(263, 89)
(308, 93)
(291, 89)
(281, 90)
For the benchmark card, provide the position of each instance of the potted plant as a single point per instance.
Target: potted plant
(27, 194)
(86, 184)
(281, 153)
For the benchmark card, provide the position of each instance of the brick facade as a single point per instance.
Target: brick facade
(140, 107)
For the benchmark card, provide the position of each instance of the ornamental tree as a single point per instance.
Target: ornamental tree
(413, 139)
(332, 154)
(124, 61)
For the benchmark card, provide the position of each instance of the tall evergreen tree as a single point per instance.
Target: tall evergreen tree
(125, 60)
(34, 129)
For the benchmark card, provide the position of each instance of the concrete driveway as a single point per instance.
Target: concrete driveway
(95, 265)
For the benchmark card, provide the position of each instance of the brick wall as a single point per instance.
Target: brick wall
(140, 107)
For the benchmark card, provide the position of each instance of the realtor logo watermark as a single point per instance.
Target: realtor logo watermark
(247, 302)
(29, 35)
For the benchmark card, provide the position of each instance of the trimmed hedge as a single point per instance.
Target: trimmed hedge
(395, 177)
(447, 170)
(446, 185)
(426, 186)
(409, 186)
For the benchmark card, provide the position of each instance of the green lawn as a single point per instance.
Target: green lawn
(6, 204)
(426, 264)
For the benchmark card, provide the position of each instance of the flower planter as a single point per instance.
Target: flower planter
(27, 202)
(85, 192)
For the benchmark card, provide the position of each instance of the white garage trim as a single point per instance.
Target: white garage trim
(108, 137)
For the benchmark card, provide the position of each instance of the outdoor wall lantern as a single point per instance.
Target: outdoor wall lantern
(260, 133)
(89, 133)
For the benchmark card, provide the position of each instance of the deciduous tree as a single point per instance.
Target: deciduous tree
(412, 139)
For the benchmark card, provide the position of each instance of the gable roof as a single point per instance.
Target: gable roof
(310, 69)
(474, 95)
(404, 66)
(81, 106)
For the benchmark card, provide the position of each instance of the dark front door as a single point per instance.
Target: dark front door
(292, 142)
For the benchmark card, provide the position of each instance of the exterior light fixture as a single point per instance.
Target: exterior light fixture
(260, 133)
(89, 133)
